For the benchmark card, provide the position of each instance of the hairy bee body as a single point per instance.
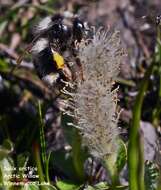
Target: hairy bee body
(54, 48)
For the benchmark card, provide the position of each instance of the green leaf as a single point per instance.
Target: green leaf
(3, 26)
(151, 175)
(7, 144)
(105, 186)
(6, 168)
(121, 155)
(90, 188)
(116, 161)
(66, 185)
(22, 159)
(31, 187)
(5, 148)
(102, 186)
(4, 66)
(49, 187)
(38, 187)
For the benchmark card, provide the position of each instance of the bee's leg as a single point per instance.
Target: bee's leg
(81, 75)
(67, 73)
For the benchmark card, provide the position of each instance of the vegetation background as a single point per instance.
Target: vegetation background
(32, 132)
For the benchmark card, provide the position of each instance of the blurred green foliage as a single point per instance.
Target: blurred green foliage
(24, 101)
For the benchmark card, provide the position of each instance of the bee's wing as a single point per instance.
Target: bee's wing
(43, 26)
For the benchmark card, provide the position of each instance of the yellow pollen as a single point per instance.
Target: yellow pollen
(58, 59)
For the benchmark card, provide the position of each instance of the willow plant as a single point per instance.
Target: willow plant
(94, 103)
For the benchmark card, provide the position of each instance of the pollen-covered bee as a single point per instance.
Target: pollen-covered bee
(53, 47)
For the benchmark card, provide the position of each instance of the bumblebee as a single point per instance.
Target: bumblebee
(53, 47)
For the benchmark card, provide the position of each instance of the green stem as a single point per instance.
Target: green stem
(110, 164)
(42, 135)
(47, 168)
(141, 184)
(115, 181)
(133, 157)
(36, 153)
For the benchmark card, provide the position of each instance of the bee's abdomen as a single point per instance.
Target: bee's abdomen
(44, 62)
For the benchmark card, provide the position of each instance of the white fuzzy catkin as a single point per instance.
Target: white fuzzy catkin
(101, 57)
(95, 101)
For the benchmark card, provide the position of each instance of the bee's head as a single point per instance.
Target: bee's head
(78, 29)
(64, 28)
(59, 30)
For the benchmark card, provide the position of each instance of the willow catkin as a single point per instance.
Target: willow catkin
(95, 100)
